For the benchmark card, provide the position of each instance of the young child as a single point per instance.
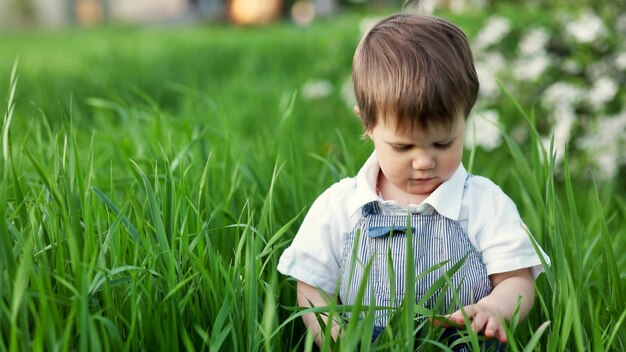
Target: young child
(415, 85)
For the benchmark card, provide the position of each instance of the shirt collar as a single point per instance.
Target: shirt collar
(446, 199)
(366, 184)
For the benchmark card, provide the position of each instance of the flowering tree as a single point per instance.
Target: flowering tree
(571, 70)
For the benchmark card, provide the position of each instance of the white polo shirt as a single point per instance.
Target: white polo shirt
(487, 215)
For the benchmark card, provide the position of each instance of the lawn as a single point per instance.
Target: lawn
(152, 176)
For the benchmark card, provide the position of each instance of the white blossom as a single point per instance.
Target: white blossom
(606, 144)
(534, 41)
(487, 68)
(598, 69)
(587, 28)
(602, 91)
(493, 32)
(317, 89)
(428, 6)
(534, 59)
(620, 61)
(608, 163)
(564, 118)
(483, 130)
(530, 68)
(561, 93)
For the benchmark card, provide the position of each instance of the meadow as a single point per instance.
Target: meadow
(152, 176)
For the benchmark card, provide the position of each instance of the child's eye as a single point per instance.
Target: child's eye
(443, 145)
(401, 148)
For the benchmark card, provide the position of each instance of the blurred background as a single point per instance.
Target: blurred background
(90, 12)
(563, 60)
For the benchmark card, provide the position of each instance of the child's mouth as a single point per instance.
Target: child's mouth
(422, 180)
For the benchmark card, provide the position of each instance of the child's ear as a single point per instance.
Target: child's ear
(367, 133)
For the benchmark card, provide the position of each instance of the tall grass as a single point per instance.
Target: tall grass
(177, 251)
(129, 223)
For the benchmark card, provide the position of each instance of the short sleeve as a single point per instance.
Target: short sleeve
(314, 256)
(501, 236)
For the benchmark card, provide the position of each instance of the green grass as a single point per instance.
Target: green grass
(152, 178)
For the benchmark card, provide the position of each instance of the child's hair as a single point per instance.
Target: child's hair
(418, 69)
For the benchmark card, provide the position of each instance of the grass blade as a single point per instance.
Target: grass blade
(155, 213)
(530, 346)
(119, 214)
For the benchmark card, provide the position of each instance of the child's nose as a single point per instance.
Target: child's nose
(422, 160)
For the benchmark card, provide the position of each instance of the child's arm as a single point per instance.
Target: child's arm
(309, 296)
(487, 313)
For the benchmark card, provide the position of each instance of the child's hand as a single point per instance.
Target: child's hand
(487, 315)
(483, 317)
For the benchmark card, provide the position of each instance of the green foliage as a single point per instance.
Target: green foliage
(150, 188)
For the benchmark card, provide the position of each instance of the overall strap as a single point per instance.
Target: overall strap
(371, 208)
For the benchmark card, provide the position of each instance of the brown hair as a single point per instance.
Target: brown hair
(418, 69)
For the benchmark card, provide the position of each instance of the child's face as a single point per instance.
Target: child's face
(414, 162)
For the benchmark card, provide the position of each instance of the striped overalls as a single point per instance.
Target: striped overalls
(379, 237)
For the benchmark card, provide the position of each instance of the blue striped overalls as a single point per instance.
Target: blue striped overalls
(378, 237)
